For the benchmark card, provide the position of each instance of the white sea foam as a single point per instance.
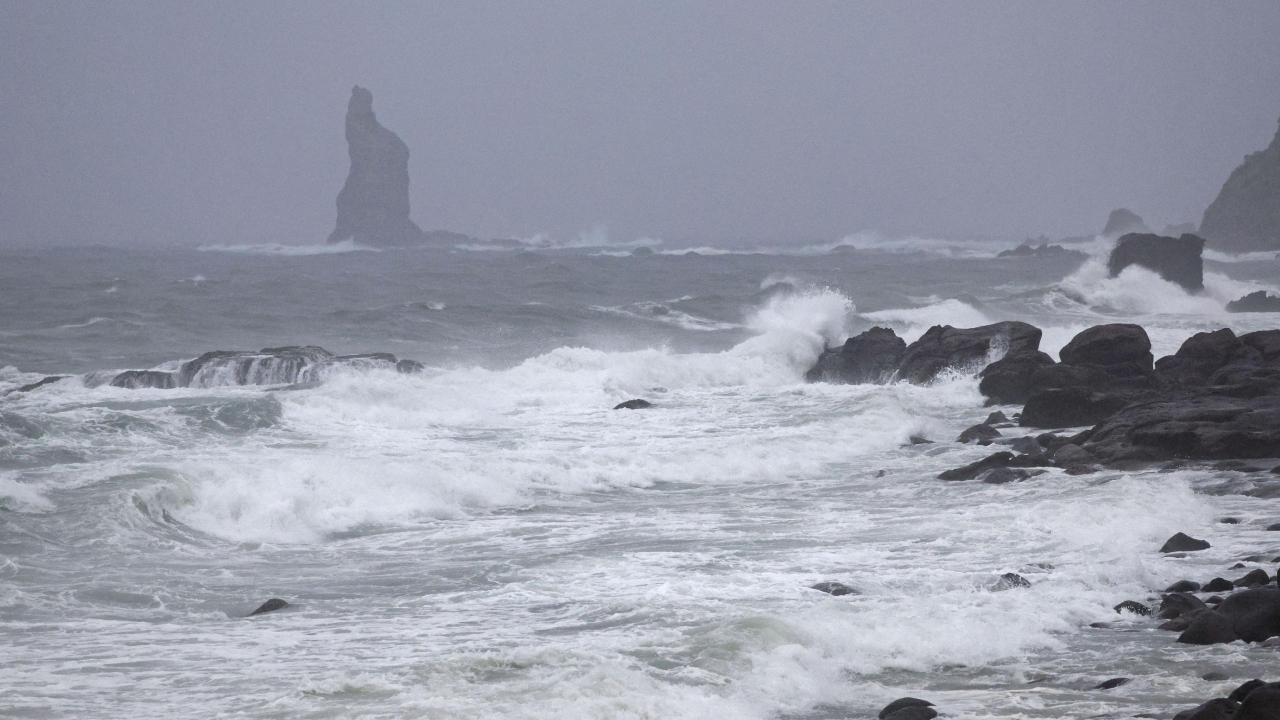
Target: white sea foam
(338, 248)
(911, 323)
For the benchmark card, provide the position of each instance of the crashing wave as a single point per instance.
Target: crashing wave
(270, 366)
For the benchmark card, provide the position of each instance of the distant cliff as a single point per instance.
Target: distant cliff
(1246, 214)
(373, 206)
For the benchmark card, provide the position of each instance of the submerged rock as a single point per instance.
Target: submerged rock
(270, 606)
(135, 379)
(289, 365)
(906, 703)
(1245, 215)
(49, 380)
(634, 404)
(373, 205)
(1177, 260)
(1010, 581)
(1182, 542)
(833, 588)
(1112, 683)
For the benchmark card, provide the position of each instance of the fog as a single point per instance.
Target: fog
(149, 123)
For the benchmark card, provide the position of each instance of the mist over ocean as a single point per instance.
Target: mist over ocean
(488, 538)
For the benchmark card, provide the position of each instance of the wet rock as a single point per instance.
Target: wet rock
(1003, 475)
(996, 418)
(1208, 627)
(1118, 345)
(978, 433)
(1274, 527)
(871, 357)
(944, 347)
(1207, 426)
(136, 379)
(634, 404)
(1175, 605)
(1262, 703)
(1181, 542)
(409, 367)
(904, 704)
(1070, 407)
(373, 205)
(1254, 578)
(1183, 586)
(1011, 379)
(1260, 301)
(1244, 690)
(1112, 683)
(1218, 585)
(1215, 709)
(919, 440)
(270, 606)
(1177, 260)
(974, 469)
(1202, 355)
(1214, 676)
(1132, 606)
(1010, 581)
(1254, 613)
(1072, 455)
(49, 380)
(834, 588)
(1229, 521)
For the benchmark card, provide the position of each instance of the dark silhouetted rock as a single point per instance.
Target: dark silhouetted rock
(1262, 703)
(1181, 542)
(1244, 690)
(1177, 260)
(1112, 683)
(1010, 379)
(1253, 578)
(1207, 627)
(1183, 586)
(978, 433)
(1175, 605)
(136, 379)
(373, 206)
(1190, 427)
(1118, 345)
(1254, 613)
(902, 704)
(1215, 709)
(871, 357)
(40, 383)
(1218, 585)
(409, 367)
(913, 713)
(1070, 407)
(833, 588)
(1132, 606)
(1072, 456)
(636, 404)
(996, 418)
(1041, 250)
(943, 347)
(270, 606)
(1260, 301)
(1245, 216)
(1009, 581)
(1003, 475)
(972, 470)
(1123, 221)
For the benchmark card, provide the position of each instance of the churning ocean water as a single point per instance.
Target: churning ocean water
(488, 539)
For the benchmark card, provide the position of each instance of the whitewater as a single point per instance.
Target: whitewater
(489, 538)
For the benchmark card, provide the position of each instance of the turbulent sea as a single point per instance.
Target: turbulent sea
(488, 539)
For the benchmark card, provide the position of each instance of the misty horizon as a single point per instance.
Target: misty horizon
(145, 124)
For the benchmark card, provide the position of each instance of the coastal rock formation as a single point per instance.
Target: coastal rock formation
(871, 357)
(1123, 221)
(269, 366)
(943, 347)
(373, 205)
(1044, 249)
(1246, 214)
(1260, 301)
(1177, 260)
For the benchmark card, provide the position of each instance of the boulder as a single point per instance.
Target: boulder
(634, 404)
(373, 205)
(943, 347)
(48, 380)
(1202, 355)
(1177, 260)
(1010, 581)
(993, 461)
(1003, 475)
(870, 357)
(1245, 216)
(1218, 585)
(135, 379)
(1183, 586)
(978, 433)
(1132, 606)
(902, 704)
(1208, 627)
(1262, 703)
(1175, 605)
(1215, 709)
(1254, 613)
(1112, 683)
(1182, 542)
(1189, 427)
(1117, 348)
(834, 588)
(1070, 407)
(270, 606)
(1123, 221)
(1010, 379)
(1253, 578)
(1260, 301)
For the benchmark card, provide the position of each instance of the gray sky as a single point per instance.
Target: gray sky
(222, 122)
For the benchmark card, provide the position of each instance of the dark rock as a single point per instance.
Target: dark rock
(1229, 521)
(1123, 221)
(996, 418)
(1132, 606)
(1214, 676)
(913, 713)
(269, 366)
(974, 469)
(1254, 578)
(1244, 690)
(1118, 344)
(1201, 355)
(1181, 542)
(1245, 216)
(1044, 249)
(1260, 301)
(40, 383)
(1072, 455)
(944, 347)
(1255, 613)
(1026, 446)
(902, 703)
(1199, 427)
(1069, 407)
(871, 357)
(1009, 581)
(834, 588)
(1112, 683)
(409, 367)
(1176, 605)
(1261, 703)
(373, 206)
(1177, 260)
(978, 433)
(1273, 527)
(634, 404)
(1218, 585)
(1177, 624)
(270, 606)
(135, 379)
(1215, 709)
(1207, 627)
(1011, 378)
(1183, 586)
(918, 440)
(1003, 475)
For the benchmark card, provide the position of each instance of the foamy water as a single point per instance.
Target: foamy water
(489, 539)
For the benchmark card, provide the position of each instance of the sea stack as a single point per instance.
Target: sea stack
(1123, 221)
(1246, 214)
(373, 206)
(1177, 260)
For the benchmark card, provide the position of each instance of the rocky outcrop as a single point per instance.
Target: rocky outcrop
(1246, 214)
(1123, 221)
(871, 357)
(1042, 250)
(270, 366)
(1177, 260)
(1260, 301)
(943, 347)
(373, 205)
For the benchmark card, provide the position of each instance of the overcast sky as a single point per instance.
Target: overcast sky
(222, 122)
